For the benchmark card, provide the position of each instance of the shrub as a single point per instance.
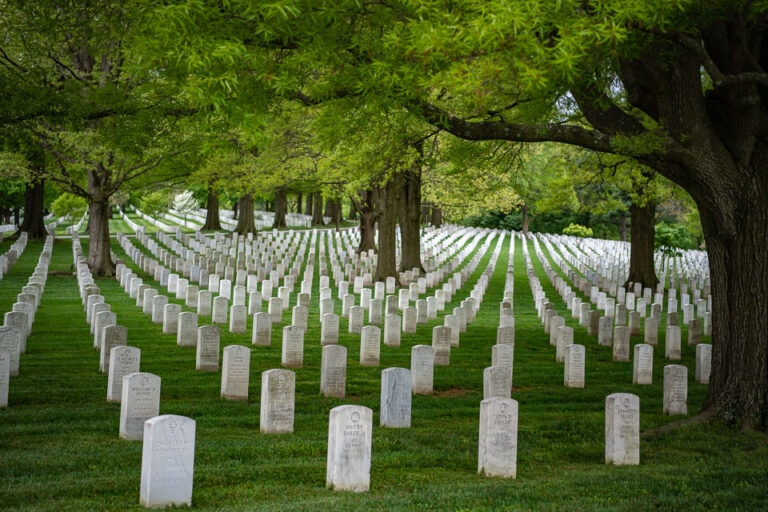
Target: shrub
(578, 230)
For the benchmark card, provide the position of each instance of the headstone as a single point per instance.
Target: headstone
(374, 311)
(422, 369)
(9, 342)
(204, 298)
(642, 364)
(497, 382)
(186, 335)
(122, 361)
(675, 389)
(102, 320)
(356, 317)
(505, 335)
(167, 461)
(147, 301)
(694, 332)
(292, 355)
(140, 401)
(396, 389)
(441, 342)
(275, 310)
(193, 293)
(238, 319)
(171, 318)
(503, 355)
(554, 324)
(563, 339)
(112, 336)
(575, 362)
(703, 362)
(158, 308)
(392, 330)
(262, 329)
(350, 436)
(235, 374)
(672, 343)
(278, 390)
(300, 316)
(621, 343)
(208, 344)
(622, 429)
(605, 332)
(220, 307)
(651, 331)
(5, 376)
(329, 329)
(497, 443)
(333, 371)
(370, 345)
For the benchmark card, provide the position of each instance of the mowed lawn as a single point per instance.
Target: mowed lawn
(60, 448)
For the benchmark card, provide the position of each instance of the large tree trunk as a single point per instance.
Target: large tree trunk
(99, 253)
(212, 220)
(281, 208)
(245, 221)
(738, 386)
(410, 215)
(299, 199)
(317, 209)
(34, 222)
(623, 226)
(437, 216)
(352, 211)
(387, 204)
(526, 219)
(366, 208)
(333, 211)
(642, 235)
(308, 209)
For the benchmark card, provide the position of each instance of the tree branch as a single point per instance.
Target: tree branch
(502, 130)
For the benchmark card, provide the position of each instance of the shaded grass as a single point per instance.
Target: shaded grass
(59, 445)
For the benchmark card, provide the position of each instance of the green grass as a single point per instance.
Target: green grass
(60, 450)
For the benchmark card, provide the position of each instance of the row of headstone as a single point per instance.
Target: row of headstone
(17, 323)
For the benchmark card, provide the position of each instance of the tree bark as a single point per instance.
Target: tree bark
(245, 221)
(366, 208)
(526, 219)
(309, 209)
(212, 220)
(437, 216)
(642, 235)
(99, 253)
(317, 209)
(281, 208)
(352, 211)
(299, 199)
(738, 388)
(387, 201)
(409, 214)
(34, 221)
(623, 226)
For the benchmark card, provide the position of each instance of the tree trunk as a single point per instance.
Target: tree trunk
(299, 199)
(245, 221)
(352, 211)
(212, 220)
(309, 209)
(317, 209)
(623, 226)
(387, 205)
(642, 235)
(99, 253)
(281, 208)
(333, 210)
(410, 214)
(437, 216)
(526, 219)
(738, 389)
(366, 209)
(34, 222)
